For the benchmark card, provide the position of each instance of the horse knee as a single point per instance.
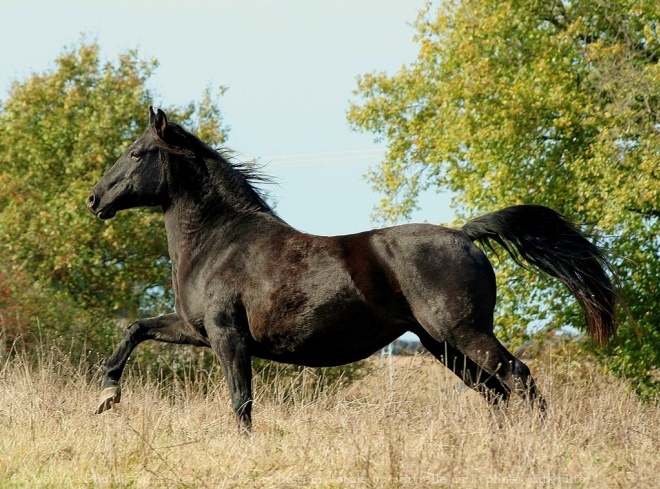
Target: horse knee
(132, 332)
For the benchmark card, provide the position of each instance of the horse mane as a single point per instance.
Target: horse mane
(250, 173)
(245, 175)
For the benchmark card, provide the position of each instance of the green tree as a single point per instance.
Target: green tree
(59, 132)
(554, 103)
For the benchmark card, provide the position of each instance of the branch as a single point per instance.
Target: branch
(557, 16)
(645, 212)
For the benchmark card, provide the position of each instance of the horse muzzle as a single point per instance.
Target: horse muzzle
(94, 206)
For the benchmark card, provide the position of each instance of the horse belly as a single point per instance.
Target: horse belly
(333, 334)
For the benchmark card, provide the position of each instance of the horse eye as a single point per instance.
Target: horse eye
(135, 156)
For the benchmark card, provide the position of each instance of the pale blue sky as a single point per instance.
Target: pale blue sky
(290, 66)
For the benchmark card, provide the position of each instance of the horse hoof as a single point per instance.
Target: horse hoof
(108, 398)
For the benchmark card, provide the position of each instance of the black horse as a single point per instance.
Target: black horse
(247, 284)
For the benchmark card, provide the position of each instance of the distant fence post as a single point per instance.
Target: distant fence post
(388, 352)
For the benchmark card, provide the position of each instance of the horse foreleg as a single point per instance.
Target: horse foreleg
(169, 328)
(231, 347)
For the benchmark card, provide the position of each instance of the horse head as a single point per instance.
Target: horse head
(138, 178)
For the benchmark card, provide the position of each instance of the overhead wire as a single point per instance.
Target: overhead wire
(318, 158)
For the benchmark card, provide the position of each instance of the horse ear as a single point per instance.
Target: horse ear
(152, 115)
(160, 123)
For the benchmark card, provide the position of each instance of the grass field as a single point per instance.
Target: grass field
(415, 429)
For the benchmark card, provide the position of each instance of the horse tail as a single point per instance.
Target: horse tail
(550, 242)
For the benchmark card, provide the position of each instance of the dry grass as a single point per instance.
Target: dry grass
(415, 430)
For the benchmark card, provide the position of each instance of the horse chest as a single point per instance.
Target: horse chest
(188, 292)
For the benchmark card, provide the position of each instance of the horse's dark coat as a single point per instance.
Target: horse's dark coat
(247, 284)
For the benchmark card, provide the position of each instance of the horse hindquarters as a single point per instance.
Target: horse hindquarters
(451, 294)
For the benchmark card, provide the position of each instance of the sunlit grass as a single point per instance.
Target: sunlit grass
(412, 429)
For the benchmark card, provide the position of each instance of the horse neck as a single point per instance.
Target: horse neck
(208, 198)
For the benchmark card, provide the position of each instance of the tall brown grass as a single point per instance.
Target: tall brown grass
(412, 429)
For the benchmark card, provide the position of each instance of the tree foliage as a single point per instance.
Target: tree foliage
(554, 103)
(59, 132)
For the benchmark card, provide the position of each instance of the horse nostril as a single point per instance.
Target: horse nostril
(91, 201)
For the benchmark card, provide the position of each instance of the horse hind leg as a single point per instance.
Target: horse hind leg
(466, 369)
(487, 351)
(487, 367)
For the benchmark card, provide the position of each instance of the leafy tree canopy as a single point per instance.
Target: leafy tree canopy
(554, 103)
